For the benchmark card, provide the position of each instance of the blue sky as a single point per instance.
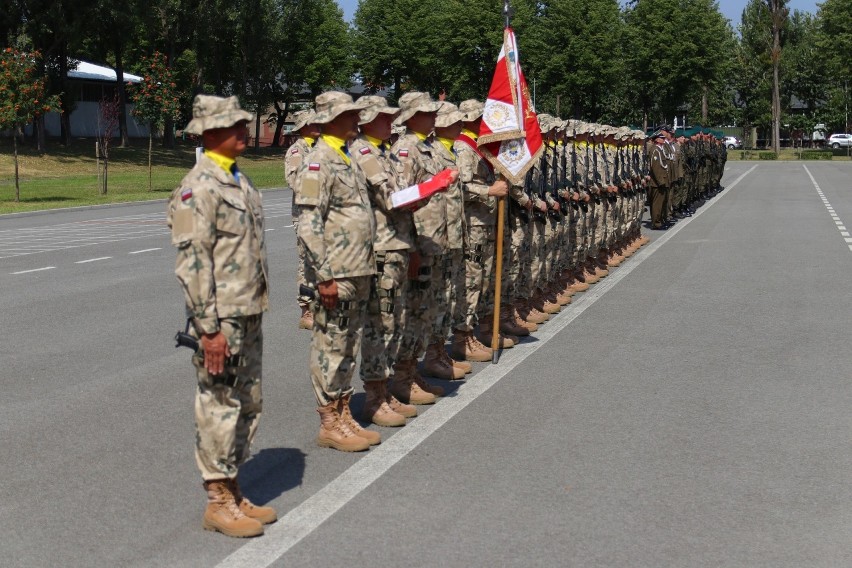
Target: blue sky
(732, 9)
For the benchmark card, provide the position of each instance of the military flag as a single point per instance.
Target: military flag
(509, 136)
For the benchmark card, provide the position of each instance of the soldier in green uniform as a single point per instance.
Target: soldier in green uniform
(216, 222)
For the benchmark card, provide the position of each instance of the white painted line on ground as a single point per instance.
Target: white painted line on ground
(144, 250)
(315, 510)
(287, 226)
(267, 230)
(93, 260)
(837, 222)
(34, 270)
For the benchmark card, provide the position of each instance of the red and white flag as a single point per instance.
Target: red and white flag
(509, 136)
(413, 194)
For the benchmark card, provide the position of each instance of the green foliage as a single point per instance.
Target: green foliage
(816, 155)
(23, 93)
(767, 155)
(156, 98)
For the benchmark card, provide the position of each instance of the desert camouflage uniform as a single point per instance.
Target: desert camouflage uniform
(476, 176)
(336, 227)
(216, 219)
(416, 165)
(451, 295)
(393, 242)
(295, 156)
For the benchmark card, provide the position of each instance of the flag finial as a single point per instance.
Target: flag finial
(508, 12)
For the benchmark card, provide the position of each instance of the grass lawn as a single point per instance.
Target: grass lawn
(67, 177)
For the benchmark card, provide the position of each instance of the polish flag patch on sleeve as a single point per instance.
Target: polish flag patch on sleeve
(365, 151)
(186, 194)
(313, 167)
(403, 153)
(294, 151)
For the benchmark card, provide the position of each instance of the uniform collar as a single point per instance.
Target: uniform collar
(338, 145)
(448, 144)
(223, 162)
(379, 144)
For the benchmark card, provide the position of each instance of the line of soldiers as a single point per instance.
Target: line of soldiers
(392, 284)
(684, 171)
(390, 268)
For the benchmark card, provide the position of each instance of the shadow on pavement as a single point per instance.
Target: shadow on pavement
(271, 472)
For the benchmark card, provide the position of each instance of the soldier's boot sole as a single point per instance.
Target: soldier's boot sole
(351, 444)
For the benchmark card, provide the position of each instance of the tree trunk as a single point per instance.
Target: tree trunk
(169, 133)
(64, 98)
(705, 104)
(257, 129)
(122, 96)
(150, 151)
(40, 134)
(17, 184)
(279, 123)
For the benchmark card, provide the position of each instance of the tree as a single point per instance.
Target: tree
(109, 111)
(834, 43)
(23, 96)
(778, 13)
(155, 99)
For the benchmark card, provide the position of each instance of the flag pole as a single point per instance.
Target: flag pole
(501, 222)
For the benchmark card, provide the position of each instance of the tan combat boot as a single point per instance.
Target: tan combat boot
(530, 314)
(376, 407)
(542, 304)
(223, 514)
(463, 365)
(509, 325)
(465, 346)
(504, 341)
(373, 438)
(264, 515)
(521, 322)
(418, 379)
(435, 364)
(407, 410)
(335, 433)
(403, 387)
(306, 321)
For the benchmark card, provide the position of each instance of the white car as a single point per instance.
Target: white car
(840, 140)
(733, 143)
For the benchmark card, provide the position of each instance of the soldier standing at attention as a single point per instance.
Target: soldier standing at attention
(337, 228)
(660, 180)
(393, 245)
(415, 154)
(216, 219)
(308, 133)
(451, 294)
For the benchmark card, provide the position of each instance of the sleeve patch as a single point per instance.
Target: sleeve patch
(294, 151)
(183, 222)
(372, 168)
(365, 151)
(314, 167)
(186, 194)
(310, 186)
(403, 153)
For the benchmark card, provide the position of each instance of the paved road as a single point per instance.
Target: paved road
(690, 410)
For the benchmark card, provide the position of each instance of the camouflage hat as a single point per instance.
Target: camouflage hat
(471, 109)
(398, 129)
(331, 104)
(414, 102)
(448, 115)
(376, 105)
(303, 118)
(544, 122)
(210, 112)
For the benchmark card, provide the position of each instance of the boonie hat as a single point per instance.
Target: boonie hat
(210, 112)
(471, 109)
(375, 105)
(303, 118)
(448, 115)
(331, 104)
(414, 102)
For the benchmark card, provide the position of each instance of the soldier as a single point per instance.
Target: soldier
(660, 166)
(216, 220)
(437, 363)
(481, 190)
(336, 227)
(308, 133)
(416, 155)
(393, 243)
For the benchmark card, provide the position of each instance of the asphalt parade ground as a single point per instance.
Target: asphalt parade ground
(692, 409)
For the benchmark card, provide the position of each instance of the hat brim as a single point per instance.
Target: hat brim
(368, 115)
(223, 120)
(406, 114)
(329, 115)
(448, 119)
